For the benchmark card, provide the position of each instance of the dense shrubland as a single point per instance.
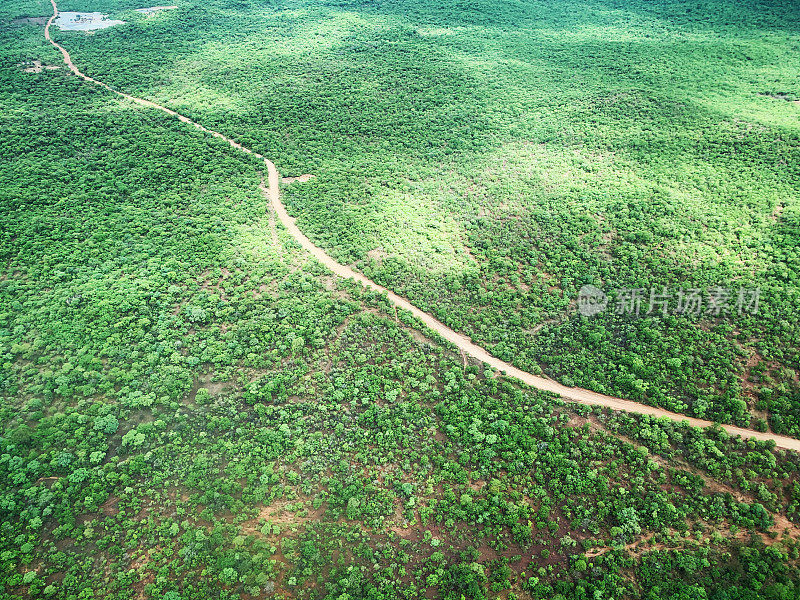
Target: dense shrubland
(190, 411)
(487, 161)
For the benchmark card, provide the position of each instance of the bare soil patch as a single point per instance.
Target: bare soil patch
(377, 254)
(283, 513)
(37, 66)
(110, 507)
(299, 178)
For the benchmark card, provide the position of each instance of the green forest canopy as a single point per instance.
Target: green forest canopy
(192, 408)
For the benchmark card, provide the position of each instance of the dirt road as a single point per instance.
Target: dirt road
(577, 395)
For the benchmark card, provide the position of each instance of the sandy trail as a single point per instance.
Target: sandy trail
(571, 394)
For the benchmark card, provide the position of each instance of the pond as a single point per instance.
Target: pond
(84, 21)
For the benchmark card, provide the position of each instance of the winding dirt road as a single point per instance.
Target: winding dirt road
(570, 394)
